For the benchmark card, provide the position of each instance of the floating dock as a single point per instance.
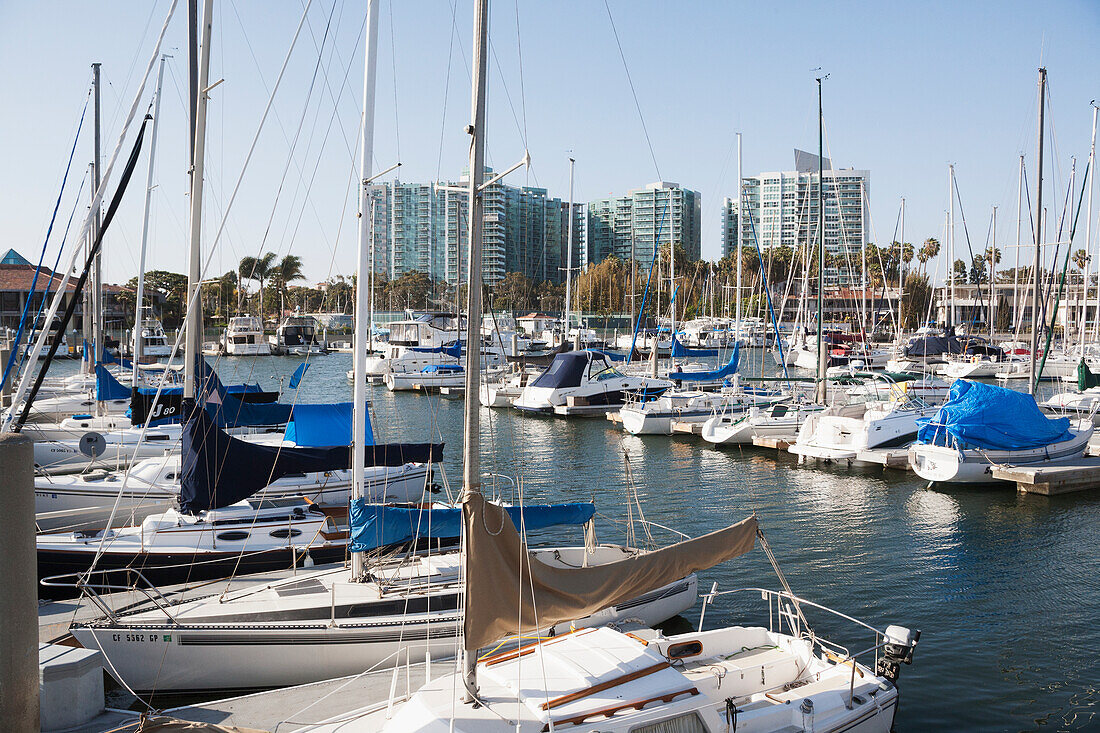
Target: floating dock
(1051, 479)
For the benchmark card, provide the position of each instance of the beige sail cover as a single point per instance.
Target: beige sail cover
(501, 573)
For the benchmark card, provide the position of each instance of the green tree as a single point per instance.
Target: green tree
(259, 269)
(411, 290)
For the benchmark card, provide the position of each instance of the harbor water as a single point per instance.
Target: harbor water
(1003, 586)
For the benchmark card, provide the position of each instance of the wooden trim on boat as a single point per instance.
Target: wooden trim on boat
(610, 711)
(615, 682)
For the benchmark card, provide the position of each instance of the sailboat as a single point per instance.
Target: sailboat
(750, 678)
(341, 620)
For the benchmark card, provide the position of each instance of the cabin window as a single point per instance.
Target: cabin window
(685, 649)
(233, 536)
(282, 534)
(690, 723)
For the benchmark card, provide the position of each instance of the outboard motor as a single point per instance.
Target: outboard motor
(900, 643)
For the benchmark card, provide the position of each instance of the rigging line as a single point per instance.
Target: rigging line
(335, 54)
(633, 92)
(393, 66)
(966, 233)
(42, 255)
(293, 145)
(522, 94)
(446, 93)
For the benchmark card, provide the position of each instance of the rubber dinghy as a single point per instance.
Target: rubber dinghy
(982, 425)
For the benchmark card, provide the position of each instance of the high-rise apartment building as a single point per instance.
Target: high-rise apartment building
(729, 226)
(783, 206)
(423, 227)
(630, 226)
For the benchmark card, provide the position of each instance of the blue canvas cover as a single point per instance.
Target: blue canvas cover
(454, 349)
(313, 425)
(978, 415)
(109, 358)
(729, 369)
(107, 387)
(229, 411)
(219, 470)
(377, 525)
(296, 377)
(678, 349)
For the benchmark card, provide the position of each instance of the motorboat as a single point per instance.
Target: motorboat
(244, 336)
(154, 342)
(1075, 404)
(841, 432)
(418, 341)
(503, 390)
(656, 416)
(585, 379)
(430, 378)
(297, 336)
(982, 426)
(778, 420)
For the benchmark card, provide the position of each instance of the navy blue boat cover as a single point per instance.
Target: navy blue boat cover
(318, 425)
(107, 387)
(229, 411)
(727, 370)
(219, 470)
(678, 349)
(454, 349)
(377, 525)
(978, 415)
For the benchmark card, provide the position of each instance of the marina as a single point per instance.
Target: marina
(529, 458)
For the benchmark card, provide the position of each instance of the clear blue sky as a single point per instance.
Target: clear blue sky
(913, 87)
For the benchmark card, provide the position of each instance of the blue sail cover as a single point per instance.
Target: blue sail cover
(317, 425)
(296, 377)
(377, 525)
(219, 470)
(107, 387)
(978, 415)
(727, 370)
(678, 349)
(109, 358)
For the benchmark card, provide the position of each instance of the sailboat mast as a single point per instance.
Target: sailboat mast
(737, 241)
(671, 277)
(993, 277)
(1088, 232)
(569, 255)
(901, 272)
(365, 265)
(822, 359)
(1016, 315)
(86, 365)
(145, 222)
(471, 464)
(1032, 375)
(193, 327)
(97, 223)
(951, 238)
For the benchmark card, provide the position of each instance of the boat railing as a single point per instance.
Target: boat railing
(647, 524)
(786, 608)
(82, 581)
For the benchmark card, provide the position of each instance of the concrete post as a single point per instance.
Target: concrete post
(18, 575)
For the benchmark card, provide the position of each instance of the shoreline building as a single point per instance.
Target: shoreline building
(729, 226)
(628, 226)
(422, 226)
(783, 207)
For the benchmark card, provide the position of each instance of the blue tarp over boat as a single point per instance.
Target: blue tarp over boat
(378, 525)
(313, 425)
(978, 415)
(729, 369)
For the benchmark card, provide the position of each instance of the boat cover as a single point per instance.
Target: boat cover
(219, 470)
(296, 377)
(454, 349)
(511, 592)
(1086, 378)
(678, 349)
(712, 375)
(107, 387)
(109, 358)
(325, 424)
(377, 525)
(565, 371)
(985, 416)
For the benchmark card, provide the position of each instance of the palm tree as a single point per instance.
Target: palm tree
(259, 269)
(931, 248)
(287, 271)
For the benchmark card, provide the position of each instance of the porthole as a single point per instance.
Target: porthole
(233, 536)
(685, 649)
(282, 534)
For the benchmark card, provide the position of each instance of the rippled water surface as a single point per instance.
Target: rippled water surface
(1004, 587)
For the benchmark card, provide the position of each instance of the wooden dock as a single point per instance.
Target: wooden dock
(1051, 479)
(781, 444)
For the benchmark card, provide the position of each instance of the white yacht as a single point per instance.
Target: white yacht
(779, 420)
(297, 336)
(585, 379)
(429, 378)
(154, 342)
(244, 336)
(842, 432)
